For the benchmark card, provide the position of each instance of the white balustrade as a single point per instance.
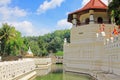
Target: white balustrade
(42, 61)
(12, 69)
(9, 70)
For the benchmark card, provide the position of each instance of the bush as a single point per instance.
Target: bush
(59, 53)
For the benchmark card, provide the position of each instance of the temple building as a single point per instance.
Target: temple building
(93, 12)
(94, 42)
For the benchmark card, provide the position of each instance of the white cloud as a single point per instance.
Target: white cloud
(27, 28)
(7, 12)
(18, 12)
(5, 2)
(11, 15)
(63, 24)
(86, 1)
(49, 5)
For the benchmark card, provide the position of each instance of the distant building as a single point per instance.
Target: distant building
(94, 41)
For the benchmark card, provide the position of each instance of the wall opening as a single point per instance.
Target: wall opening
(100, 20)
(87, 21)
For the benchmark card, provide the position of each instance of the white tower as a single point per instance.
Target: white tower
(29, 52)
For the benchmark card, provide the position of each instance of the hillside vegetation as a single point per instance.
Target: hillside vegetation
(12, 43)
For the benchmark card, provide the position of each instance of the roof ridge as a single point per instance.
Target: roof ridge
(92, 5)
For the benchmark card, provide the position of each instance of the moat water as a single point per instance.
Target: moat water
(57, 73)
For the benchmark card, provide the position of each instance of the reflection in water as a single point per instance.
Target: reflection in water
(75, 76)
(58, 74)
(57, 68)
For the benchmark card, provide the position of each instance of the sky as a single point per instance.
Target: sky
(38, 17)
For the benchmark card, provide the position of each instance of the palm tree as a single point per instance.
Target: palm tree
(7, 33)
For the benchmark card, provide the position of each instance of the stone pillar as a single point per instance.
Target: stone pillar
(74, 21)
(65, 41)
(0, 58)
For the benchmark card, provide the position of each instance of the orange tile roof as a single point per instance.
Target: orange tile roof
(92, 4)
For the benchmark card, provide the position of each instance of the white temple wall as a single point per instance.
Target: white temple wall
(113, 54)
(86, 51)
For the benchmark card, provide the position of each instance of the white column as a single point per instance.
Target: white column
(65, 41)
(74, 21)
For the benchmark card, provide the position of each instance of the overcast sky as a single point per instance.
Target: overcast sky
(38, 17)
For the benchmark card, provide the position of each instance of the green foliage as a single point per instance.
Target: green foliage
(54, 42)
(114, 9)
(59, 53)
(11, 40)
(12, 43)
(49, 43)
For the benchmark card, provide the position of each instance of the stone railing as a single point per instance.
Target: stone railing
(43, 66)
(24, 69)
(42, 61)
(11, 69)
(114, 45)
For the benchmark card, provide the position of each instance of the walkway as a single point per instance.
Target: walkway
(105, 76)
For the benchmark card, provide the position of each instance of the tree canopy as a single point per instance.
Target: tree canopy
(48, 43)
(11, 40)
(12, 43)
(114, 9)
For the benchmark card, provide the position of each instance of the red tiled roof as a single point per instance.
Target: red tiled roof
(92, 4)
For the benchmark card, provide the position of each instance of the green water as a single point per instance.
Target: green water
(58, 74)
(51, 76)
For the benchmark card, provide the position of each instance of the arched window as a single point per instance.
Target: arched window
(87, 21)
(100, 20)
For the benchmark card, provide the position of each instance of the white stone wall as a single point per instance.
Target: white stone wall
(86, 51)
(112, 51)
(43, 66)
(12, 69)
(42, 61)
(24, 69)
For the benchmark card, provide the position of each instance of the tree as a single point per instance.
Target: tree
(42, 43)
(114, 9)
(51, 42)
(56, 43)
(7, 33)
(16, 45)
(35, 48)
(11, 40)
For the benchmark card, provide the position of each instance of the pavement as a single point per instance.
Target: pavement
(106, 76)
